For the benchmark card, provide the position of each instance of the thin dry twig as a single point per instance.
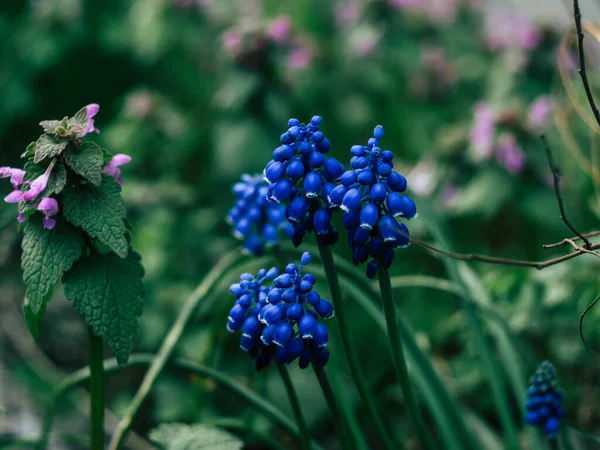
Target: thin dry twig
(570, 240)
(591, 305)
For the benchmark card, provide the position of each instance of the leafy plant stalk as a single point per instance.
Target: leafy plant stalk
(96, 391)
(289, 387)
(336, 297)
(387, 297)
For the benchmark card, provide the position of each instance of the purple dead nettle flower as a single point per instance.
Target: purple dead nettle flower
(506, 30)
(299, 58)
(538, 114)
(91, 110)
(482, 133)
(279, 29)
(509, 154)
(37, 186)
(112, 168)
(16, 179)
(49, 207)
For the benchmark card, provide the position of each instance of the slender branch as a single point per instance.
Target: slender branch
(581, 56)
(570, 240)
(501, 261)
(556, 177)
(591, 305)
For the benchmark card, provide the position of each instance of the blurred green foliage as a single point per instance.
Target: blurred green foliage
(199, 92)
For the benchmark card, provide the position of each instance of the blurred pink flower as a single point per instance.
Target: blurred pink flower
(509, 154)
(299, 58)
(482, 133)
(346, 14)
(441, 10)
(406, 3)
(538, 114)
(421, 178)
(506, 30)
(363, 41)
(279, 29)
(232, 40)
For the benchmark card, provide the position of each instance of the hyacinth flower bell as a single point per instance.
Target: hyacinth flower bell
(281, 321)
(255, 220)
(369, 194)
(301, 177)
(544, 398)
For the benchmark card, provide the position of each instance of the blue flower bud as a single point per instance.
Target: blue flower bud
(267, 334)
(234, 325)
(252, 326)
(247, 342)
(274, 296)
(286, 138)
(291, 268)
(281, 191)
(263, 360)
(351, 200)
(283, 333)
(318, 136)
(306, 326)
(389, 228)
(409, 209)
(358, 150)
(295, 348)
(274, 314)
(324, 146)
(324, 308)
(312, 184)
(289, 296)
(397, 182)
(378, 192)
(238, 312)
(333, 169)
(321, 335)
(304, 147)
(295, 311)
(236, 289)
(244, 301)
(296, 210)
(270, 235)
(313, 297)
(369, 215)
(551, 426)
(388, 258)
(281, 355)
(384, 169)
(387, 156)
(372, 268)
(306, 258)
(316, 120)
(351, 219)
(295, 169)
(295, 131)
(337, 195)
(360, 237)
(299, 232)
(322, 357)
(283, 281)
(306, 286)
(378, 132)
(326, 190)
(348, 178)
(274, 172)
(316, 159)
(242, 228)
(293, 123)
(304, 361)
(322, 221)
(310, 277)
(359, 255)
(364, 177)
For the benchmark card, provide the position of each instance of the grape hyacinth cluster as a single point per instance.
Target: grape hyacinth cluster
(543, 405)
(282, 320)
(369, 195)
(255, 220)
(302, 177)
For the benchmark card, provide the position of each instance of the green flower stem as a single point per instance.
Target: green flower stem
(387, 297)
(96, 355)
(336, 414)
(289, 387)
(359, 380)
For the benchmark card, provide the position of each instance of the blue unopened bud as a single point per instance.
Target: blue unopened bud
(384, 169)
(289, 296)
(348, 178)
(378, 192)
(324, 146)
(324, 308)
(304, 147)
(296, 210)
(360, 236)
(295, 348)
(369, 215)
(293, 123)
(286, 138)
(313, 297)
(247, 342)
(364, 177)
(358, 150)
(372, 268)
(283, 281)
(388, 258)
(316, 159)
(306, 286)
(351, 200)
(397, 182)
(274, 296)
(306, 258)
(267, 334)
(298, 235)
(551, 426)
(312, 184)
(359, 255)
(378, 132)
(306, 326)
(281, 191)
(322, 221)
(351, 219)
(321, 336)
(304, 361)
(333, 169)
(322, 357)
(283, 333)
(238, 312)
(251, 326)
(387, 157)
(295, 311)
(234, 325)
(295, 169)
(274, 314)
(337, 195)
(281, 355)
(316, 120)
(274, 172)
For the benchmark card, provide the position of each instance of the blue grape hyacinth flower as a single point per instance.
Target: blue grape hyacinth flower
(544, 397)
(301, 176)
(283, 320)
(369, 195)
(255, 220)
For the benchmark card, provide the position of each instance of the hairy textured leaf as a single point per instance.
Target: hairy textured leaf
(47, 254)
(47, 147)
(80, 118)
(50, 126)
(176, 436)
(86, 161)
(108, 292)
(33, 320)
(100, 211)
(29, 151)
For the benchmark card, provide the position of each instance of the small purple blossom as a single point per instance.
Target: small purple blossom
(279, 29)
(37, 186)
(91, 110)
(231, 40)
(112, 168)
(482, 133)
(49, 207)
(538, 114)
(299, 58)
(509, 154)
(505, 30)
(16, 179)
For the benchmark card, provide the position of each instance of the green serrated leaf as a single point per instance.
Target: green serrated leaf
(100, 211)
(50, 126)
(47, 254)
(33, 320)
(80, 118)
(48, 147)
(87, 161)
(176, 436)
(29, 151)
(108, 292)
